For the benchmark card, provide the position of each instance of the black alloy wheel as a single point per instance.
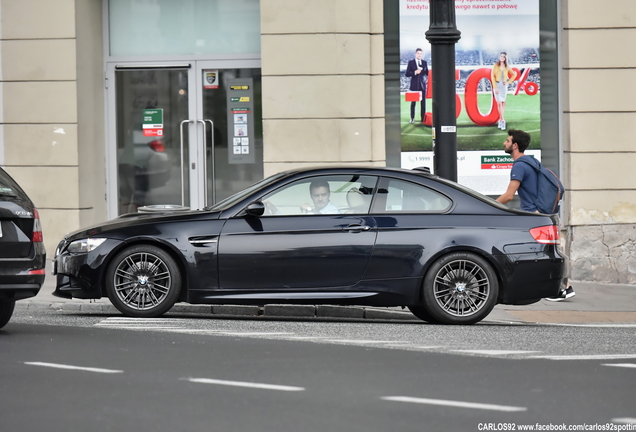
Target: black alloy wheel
(143, 281)
(460, 288)
(6, 310)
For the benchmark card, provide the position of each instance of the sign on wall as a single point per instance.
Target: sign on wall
(240, 120)
(490, 99)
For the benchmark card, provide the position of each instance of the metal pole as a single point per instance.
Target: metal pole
(443, 35)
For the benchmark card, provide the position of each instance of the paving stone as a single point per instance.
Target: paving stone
(339, 311)
(290, 310)
(71, 307)
(235, 310)
(192, 308)
(389, 314)
(90, 307)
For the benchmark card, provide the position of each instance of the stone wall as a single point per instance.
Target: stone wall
(604, 253)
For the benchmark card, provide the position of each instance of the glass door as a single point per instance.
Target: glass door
(182, 134)
(229, 105)
(151, 149)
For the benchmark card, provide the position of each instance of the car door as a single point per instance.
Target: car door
(303, 241)
(411, 220)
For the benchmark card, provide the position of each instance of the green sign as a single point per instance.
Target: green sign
(496, 159)
(153, 117)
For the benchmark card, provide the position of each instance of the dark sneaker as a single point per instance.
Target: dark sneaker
(559, 297)
(569, 293)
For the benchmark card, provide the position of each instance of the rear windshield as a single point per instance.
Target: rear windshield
(7, 185)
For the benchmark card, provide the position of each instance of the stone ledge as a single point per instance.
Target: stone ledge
(339, 312)
(235, 310)
(389, 314)
(290, 310)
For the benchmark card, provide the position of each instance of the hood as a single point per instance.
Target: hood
(139, 219)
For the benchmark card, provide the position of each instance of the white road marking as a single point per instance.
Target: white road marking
(138, 319)
(593, 325)
(494, 352)
(625, 365)
(454, 403)
(63, 366)
(226, 333)
(627, 420)
(586, 357)
(245, 384)
(142, 327)
(359, 341)
(307, 337)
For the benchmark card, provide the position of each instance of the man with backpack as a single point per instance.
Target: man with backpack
(539, 189)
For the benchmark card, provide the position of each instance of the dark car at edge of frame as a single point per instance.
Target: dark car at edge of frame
(394, 237)
(22, 254)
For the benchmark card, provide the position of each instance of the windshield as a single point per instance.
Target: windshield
(233, 199)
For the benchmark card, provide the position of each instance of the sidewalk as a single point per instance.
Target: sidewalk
(593, 303)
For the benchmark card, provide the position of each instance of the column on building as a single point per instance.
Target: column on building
(51, 125)
(599, 116)
(323, 83)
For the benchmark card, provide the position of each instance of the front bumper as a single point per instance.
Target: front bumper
(80, 275)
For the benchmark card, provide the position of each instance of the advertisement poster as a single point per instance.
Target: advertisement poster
(498, 86)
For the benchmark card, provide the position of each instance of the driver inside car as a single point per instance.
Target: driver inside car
(320, 193)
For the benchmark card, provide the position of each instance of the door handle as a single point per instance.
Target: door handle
(205, 158)
(182, 174)
(357, 228)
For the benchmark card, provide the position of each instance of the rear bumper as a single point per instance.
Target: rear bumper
(16, 282)
(17, 287)
(532, 276)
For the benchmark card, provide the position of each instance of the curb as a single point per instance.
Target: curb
(267, 311)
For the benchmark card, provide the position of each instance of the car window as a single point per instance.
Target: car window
(406, 197)
(8, 187)
(233, 199)
(335, 194)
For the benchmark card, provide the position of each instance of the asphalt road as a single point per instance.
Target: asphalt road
(75, 372)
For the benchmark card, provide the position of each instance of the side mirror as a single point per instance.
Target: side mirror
(256, 208)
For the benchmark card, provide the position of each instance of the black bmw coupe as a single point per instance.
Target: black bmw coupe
(345, 236)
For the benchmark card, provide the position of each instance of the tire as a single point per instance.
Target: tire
(460, 288)
(6, 310)
(423, 314)
(143, 281)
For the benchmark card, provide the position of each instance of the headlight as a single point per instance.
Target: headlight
(85, 245)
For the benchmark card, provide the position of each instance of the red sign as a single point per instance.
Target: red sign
(153, 132)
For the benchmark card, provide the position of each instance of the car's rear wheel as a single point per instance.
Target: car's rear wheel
(6, 310)
(143, 281)
(460, 288)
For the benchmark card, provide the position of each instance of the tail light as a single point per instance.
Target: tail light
(37, 236)
(157, 146)
(37, 272)
(548, 234)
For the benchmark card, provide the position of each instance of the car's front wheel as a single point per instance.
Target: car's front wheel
(143, 281)
(460, 288)
(6, 310)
